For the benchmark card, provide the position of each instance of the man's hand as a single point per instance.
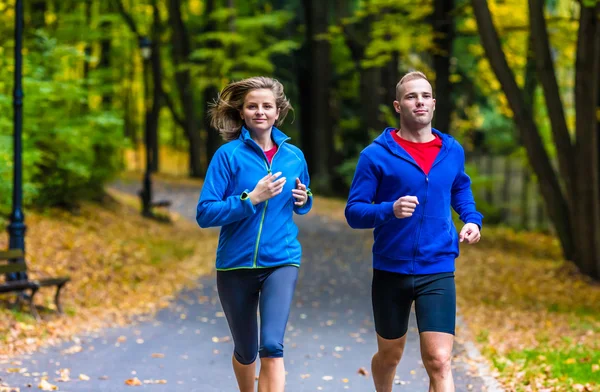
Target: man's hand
(470, 234)
(405, 206)
(300, 193)
(268, 186)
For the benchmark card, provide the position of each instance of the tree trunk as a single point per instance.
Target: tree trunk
(370, 96)
(38, 13)
(547, 78)
(444, 32)
(181, 51)
(538, 157)
(318, 84)
(210, 93)
(587, 208)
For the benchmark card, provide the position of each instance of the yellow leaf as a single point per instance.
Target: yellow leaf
(133, 382)
(570, 361)
(44, 385)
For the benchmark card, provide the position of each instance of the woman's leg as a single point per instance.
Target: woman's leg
(239, 294)
(275, 302)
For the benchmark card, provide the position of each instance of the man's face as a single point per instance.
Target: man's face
(416, 104)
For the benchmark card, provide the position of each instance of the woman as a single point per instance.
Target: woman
(253, 185)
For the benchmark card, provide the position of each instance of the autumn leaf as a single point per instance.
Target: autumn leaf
(121, 266)
(44, 385)
(133, 382)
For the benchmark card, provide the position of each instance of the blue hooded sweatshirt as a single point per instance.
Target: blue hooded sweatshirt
(426, 242)
(252, 236)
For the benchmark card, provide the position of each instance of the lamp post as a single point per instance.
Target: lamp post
(17, 228)
(146, 193)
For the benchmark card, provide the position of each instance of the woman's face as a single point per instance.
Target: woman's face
(259, 111)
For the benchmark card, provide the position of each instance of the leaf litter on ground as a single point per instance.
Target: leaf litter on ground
(533, 316)
(122, 267)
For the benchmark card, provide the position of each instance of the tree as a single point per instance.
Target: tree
(443, 22)
(574, 203)
(317, 135)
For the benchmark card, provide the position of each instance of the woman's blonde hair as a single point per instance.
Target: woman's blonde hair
(225, 111)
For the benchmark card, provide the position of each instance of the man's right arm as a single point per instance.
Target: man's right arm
(361, 212)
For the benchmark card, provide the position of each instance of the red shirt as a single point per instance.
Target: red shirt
(270, 153)
(423, 153)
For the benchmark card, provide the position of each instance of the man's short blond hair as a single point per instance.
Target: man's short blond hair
(413, 75)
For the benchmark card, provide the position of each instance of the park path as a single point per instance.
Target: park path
(330, 332)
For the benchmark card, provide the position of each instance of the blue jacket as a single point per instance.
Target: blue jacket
(426, 242)
(251, 236)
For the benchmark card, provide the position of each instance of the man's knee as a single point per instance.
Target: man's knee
(271, 348)
(390, 357)
(438, 361)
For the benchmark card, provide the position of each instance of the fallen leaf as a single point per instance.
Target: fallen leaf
(133, 382)
(363, 372)
(84, 377)
(44, 385)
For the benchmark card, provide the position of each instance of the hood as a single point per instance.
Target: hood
(387, 141)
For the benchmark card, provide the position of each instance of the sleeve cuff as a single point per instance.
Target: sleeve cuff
(247, 203)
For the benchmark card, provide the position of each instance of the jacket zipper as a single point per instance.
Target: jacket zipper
(262, 219)
(416, 248)
(420, 223)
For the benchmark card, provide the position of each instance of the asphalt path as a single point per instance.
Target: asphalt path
(328, 346)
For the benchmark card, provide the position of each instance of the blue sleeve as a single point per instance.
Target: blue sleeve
(305, 179)
(462, 200)
(361, 212)
(216, 207)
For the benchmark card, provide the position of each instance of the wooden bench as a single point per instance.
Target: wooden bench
(13, 262)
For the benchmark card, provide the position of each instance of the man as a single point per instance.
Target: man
(404, 185)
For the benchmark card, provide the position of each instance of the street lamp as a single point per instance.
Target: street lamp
(17, 228)
(146, 193)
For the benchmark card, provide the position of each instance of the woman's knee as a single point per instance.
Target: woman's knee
(271, 348)
(245, 356)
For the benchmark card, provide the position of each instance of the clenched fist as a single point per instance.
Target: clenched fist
(405, 206)
(266, 188)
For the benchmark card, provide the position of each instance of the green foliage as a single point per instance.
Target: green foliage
(574, 364)
(242, 46)
(69, 149)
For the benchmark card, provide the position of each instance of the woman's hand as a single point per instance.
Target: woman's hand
(300, 193)
(268, 186)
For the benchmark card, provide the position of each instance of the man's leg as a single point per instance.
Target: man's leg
(436, 351)
(385, 361)
(391, 294)
(435, 306)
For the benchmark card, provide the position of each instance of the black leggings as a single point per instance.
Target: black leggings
(241, 292)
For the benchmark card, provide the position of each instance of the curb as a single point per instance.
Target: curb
(481, 363)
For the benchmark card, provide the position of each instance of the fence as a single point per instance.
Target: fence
(507, 192)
